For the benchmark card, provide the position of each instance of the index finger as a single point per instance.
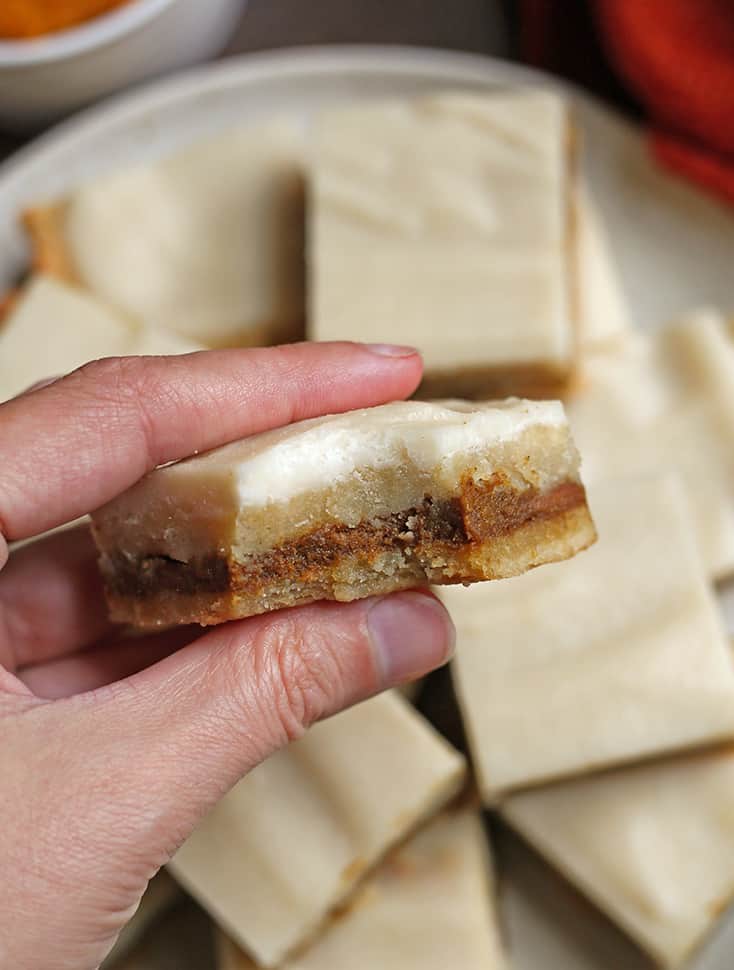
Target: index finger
(72, 446)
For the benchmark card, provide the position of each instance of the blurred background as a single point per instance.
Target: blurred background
(667, 60)
(667, 64)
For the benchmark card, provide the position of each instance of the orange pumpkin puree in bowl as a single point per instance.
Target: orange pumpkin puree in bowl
(25, 19)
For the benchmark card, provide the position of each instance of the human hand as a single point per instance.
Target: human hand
(113, 749)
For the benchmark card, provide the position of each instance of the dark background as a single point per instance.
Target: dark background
(529, 30)
(469, 25)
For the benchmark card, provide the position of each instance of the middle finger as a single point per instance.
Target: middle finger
(51, 599)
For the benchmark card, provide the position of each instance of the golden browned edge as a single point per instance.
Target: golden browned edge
(535, 381)
(49, 252)
(50, 255)
(8, 301)
(268, 334)
(536, 543)
(229, 955)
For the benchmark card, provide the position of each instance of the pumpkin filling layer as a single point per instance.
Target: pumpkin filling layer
(435, 527)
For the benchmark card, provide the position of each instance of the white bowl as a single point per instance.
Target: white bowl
(44, 78)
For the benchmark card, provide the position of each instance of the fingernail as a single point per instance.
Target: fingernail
(411, 634)
(391, 350)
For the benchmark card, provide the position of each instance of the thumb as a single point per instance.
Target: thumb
(175, 737)
(112, 781)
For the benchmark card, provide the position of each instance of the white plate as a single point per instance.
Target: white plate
(673, 244)
(674, 247)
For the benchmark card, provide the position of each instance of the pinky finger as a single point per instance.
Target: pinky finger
(103, 664)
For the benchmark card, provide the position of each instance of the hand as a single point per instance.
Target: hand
(112, 749)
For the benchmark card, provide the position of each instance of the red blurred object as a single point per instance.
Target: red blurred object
(711, 171)
(675, 56)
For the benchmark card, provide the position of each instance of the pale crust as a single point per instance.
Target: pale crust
(539, 541)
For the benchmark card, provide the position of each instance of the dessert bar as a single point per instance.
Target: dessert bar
(53, 327)
(343, 507)
(429, 906)
(652, 846)
(207, 242)
(295, 837)
(447, 223)
(618, 655)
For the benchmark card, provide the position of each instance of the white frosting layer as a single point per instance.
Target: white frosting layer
(443, 222)
(279, 464)
(208, 242)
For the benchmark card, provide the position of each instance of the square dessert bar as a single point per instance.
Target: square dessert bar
(446, 223)
(665, 401)
(623, 651)
(207, 242)
(430, 905)
(651, 845)
(285, 849)
(53, 328)
(346, 506)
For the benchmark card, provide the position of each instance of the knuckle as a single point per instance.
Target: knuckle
(127, 391)
(292, 674)
(286, 370)
(114, 377)
(111, 385)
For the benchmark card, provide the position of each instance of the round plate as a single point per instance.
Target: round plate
(673, 246)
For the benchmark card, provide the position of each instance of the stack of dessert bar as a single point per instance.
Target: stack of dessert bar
(597, 693)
